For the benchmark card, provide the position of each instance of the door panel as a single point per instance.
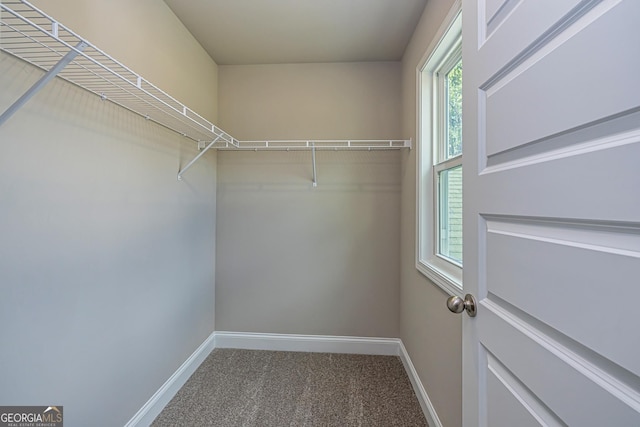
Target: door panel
(509, 28)
(511, 402)
(574, 389)
(566, 276)
(594, 181)
(551, 212)
(566, 83)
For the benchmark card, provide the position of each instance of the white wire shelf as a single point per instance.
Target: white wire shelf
(32, 36)
(29, 34)
(324, 144)
(314, 145)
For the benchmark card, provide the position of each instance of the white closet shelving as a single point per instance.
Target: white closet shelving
(29, 34)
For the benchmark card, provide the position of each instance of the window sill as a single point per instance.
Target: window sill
(450, 282)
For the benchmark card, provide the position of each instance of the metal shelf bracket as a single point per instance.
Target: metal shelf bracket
(200, 154)
(313, 161)
(37, 86)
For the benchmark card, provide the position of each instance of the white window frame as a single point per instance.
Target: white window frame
(444, 272)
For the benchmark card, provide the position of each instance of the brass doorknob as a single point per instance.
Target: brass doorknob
(455, 304)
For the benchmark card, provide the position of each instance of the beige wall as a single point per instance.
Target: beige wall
(311, 101)
(431, 334)
(291, 258)
(107, 262)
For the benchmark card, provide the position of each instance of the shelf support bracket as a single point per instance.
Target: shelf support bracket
(196, 158)
(313, 162)
(64, 61)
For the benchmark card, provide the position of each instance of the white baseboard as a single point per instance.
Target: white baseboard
(155, 405)
(418, 388)
(308, 343)
(284, 342)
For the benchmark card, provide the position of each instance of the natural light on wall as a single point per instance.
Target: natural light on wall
(440, 157)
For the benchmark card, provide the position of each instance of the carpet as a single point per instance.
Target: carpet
(273, 388)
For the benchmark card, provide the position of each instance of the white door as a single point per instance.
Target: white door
(552, 212)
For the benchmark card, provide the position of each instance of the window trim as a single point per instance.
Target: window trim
(435, 267)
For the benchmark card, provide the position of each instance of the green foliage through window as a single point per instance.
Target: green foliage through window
(454, 111)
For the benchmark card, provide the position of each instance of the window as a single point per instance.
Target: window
(448, 159)
(440, 157)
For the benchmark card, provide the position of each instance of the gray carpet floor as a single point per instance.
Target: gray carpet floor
(273, 388)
